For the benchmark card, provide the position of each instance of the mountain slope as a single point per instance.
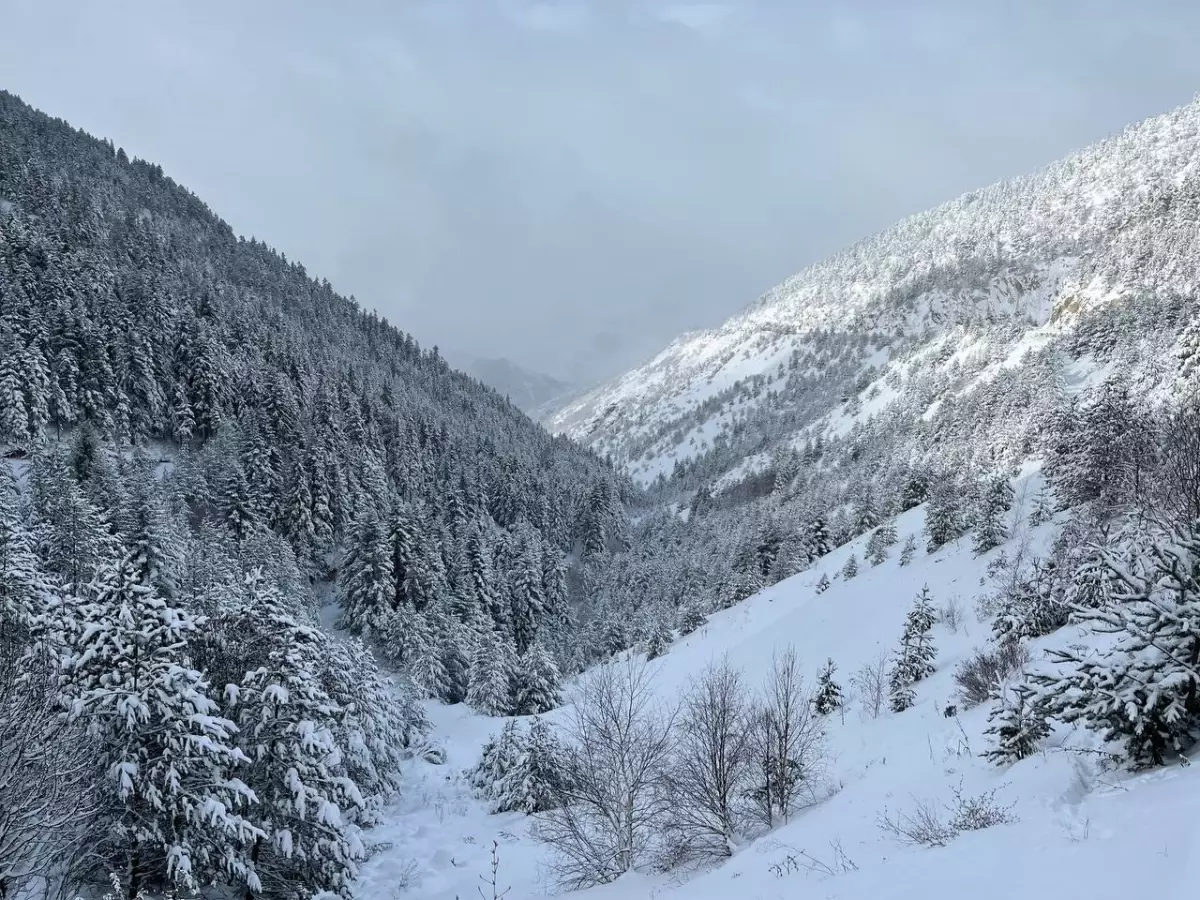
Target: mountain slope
(202, 445)
(1116, 220)
(534, 393)
(1077, 830)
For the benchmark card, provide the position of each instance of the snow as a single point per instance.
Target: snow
(1080, 832)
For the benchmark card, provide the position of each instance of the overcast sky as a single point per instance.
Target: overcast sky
(572, 183)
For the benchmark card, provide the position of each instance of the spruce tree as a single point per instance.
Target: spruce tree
(288, 726)
(537, 682)
(829, 692)
(173, 811)
(690, 616)
(914, 658)
(908, 550)
(995, 500)
(1016, 724)
(850, 569)
(492, 664)
(1143, 686)
(365, 587)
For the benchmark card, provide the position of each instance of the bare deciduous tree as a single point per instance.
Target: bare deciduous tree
(870, 683)
(1176, 489)
(612, 799)
(787, 744)
(47, 779)
(709, 772)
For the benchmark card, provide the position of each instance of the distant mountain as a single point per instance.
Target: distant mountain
(897, 320)
(534, 393)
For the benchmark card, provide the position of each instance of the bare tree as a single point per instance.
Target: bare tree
(1176, 489)
(709, 772)
(870, 682)
(47, 779)
(612, 799)
(787, 743)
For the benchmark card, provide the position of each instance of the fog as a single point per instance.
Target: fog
(572, 184)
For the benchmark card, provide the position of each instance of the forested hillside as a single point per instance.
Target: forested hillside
(203, 443)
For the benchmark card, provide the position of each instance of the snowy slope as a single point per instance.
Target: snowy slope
(1080, 832)
(1027, 254)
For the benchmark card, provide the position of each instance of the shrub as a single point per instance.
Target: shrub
(986, 669)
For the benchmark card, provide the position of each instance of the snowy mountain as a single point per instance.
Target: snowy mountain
(1065, 822)
(534, 393)
(291, 609)
(977, 281)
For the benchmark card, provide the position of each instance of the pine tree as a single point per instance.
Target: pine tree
(996, 497)
(365, 587)
(819, 541)
(1034, 606)
(1016, 724)
(850, 569)
(908, 550)
(914, 659)
(823, 584)
(426, 665)
(1043, 507)
(537, 682)
(173, 811)
(658, 635)
(25, 590)
(690, 616)
(944, 519)
(829, 692)
(287, 728)
(1143, 686)
(492, 664)
(527, 599)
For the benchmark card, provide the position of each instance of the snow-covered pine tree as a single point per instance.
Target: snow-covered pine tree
(1042, 510)
(25, 590)
(658, 633)
(1016, 724)
(532, 785)
(822, 583)
(526, 595)
(287, 728)
(908, 550)
(944, 519)
(365, 586)
(501, 753)
(1033, 606)
(537, 682)
(819, 540)
(829, 692)
(690, 616)
(492, 663)
(1143, 687)
(425, 663)
(914, 658)
(174, 817)
(380, 719)
(850, 569)
(994, 501)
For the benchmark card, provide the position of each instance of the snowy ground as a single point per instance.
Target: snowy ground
(1081, 832)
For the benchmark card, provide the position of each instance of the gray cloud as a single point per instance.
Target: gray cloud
(570, 183)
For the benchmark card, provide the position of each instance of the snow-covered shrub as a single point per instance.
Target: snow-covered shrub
(927, 825)
(981, 674)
